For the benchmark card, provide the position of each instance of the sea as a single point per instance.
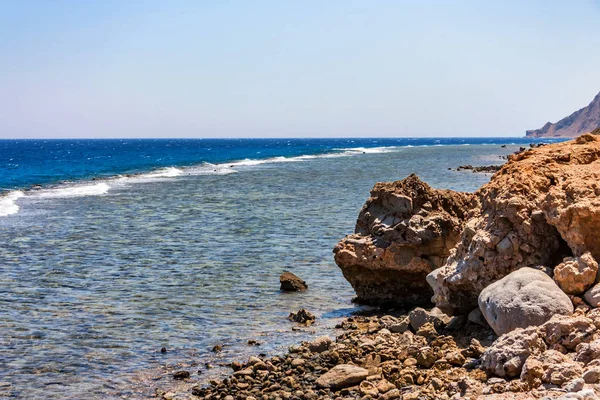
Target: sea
(115, 249)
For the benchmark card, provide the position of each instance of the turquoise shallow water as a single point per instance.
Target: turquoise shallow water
(94, 281)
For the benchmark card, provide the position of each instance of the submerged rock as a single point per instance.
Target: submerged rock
(303, 316)
(527, 297)
(291, 283)
(405, 230)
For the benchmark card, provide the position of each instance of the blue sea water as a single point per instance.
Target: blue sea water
(129, 246)
(33, 162)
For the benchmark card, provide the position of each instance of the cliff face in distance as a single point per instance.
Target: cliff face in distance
(585, 120)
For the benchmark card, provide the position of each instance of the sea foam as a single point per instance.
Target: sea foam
(74, 191)
(169, 172)
(8, 203)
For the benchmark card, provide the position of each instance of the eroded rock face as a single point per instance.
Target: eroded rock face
(405, 230)
(527, 297)
(542, 206)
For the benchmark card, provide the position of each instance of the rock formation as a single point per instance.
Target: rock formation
(541, 207)
(405, 230)
(585, 120)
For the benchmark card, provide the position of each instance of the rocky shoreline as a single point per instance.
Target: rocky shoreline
(422, 355)
(511, 270)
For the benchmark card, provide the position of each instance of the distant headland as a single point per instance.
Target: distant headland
(584, 120)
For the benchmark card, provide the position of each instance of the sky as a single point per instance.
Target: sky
(335, 68)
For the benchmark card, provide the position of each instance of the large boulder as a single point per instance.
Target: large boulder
(542, 206)
(526, 297)
(405, 230)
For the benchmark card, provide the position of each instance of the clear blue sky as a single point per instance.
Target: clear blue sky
(190, 68)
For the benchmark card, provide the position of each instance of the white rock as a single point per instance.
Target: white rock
(592, 296)
(526, 297)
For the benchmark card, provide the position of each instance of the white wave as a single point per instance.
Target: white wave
(73, 191)
(210, 169)
(371, 150)
(169, 172)
(8, 203)
(246, 162)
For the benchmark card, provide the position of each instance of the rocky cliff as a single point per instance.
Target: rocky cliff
(542, 206)
(582, 121)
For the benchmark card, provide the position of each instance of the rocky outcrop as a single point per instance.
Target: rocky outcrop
(540, 210)
(563, 353)
(405, 230)
(585, 120)
(523, 298)
(541, 207)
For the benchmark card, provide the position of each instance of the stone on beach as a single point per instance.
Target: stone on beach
(291, 283)
(341, 376)
(592, 296)
(575, 275)
(320, 344)
(507, 355)
(419, 317)
(526, 297)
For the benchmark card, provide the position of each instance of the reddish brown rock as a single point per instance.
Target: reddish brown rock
(542, 206)
(575, 275)
(405, 230)
(291, 283)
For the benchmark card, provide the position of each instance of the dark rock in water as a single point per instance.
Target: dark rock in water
(483, 168)
(536, 145)
(163, 350)
(303, 317)
(291, 283)
(503, 146)
(253, 342)
(218, 348)
(179, 375)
